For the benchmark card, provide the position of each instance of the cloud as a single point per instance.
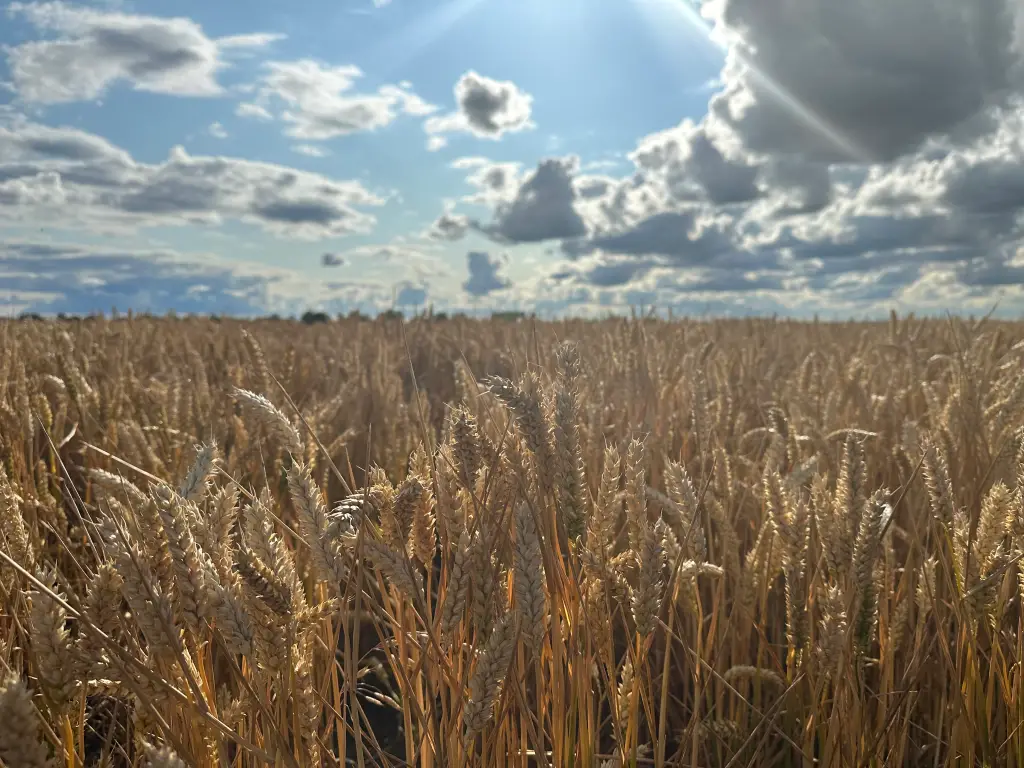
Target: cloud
(253, 111)
(91, 50)
(310, 150)
(449, 226)
(686, 236)
(543, 207)
(528, 208)
(486, 108)
(396, 257)
(319, 102)
(692, 167)
(217, 130)
(484, 274)
(857, 81)
(494, 182)
(332, 260)
(52, 277)
(89, 182)
(851, 157)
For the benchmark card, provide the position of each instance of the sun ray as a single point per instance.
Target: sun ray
(653, 13)
(420, 32)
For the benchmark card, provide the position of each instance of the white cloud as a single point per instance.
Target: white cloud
(218, 131)
(310, 150)
(397, 257)
(494, 182)
(71, 178)
(91, 50)
(319, 102)
(254, 111)
(486, 108)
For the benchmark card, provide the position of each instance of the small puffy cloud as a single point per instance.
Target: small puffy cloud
(309, 150)
(494, 182)
(91, 183)
(320, 102)
(92, 49)
(449, 226)
(217, 130)
(253, 111)
(484, 274)
(486, 108)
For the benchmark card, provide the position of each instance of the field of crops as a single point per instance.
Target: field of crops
(490, 543)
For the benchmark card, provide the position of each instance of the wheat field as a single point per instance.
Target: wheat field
(457, 542)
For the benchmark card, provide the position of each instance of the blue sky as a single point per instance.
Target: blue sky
(837, 157)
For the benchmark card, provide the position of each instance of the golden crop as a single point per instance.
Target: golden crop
(490, 543)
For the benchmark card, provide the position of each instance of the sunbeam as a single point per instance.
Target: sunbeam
(653, 12)
(421, 31)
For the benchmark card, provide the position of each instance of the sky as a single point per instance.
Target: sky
(837, 158)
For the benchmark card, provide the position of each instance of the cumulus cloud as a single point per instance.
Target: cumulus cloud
(73, 178)
(449, 226)
(218, 131)
(494, 182)
(90, 50)
(319, 102)
(528, 208)
(486, 108)
(861, 81)
(484, 274)
(691, 166)
(542, 208)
